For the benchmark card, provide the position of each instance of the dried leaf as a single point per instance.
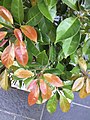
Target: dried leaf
(53, 80)
(6, 14)
(2, 35)
(78, 84)
(18, 34)
(22, 73)
(21, 53)
(88, 85)
(33, 96)
(8, 55)
(30, 32)
(82, 64)
(43, 87)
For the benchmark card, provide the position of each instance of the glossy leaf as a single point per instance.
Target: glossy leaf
(4, 83)
(71, 44)
(17, 10)
(32, 85)
(21, 53)
(83, 92)
(53, 80)
(43, 86)
(6, 14)
(2, 35)
(88, 85)
(33, 96)
(63, 32)
(3, 43)
(78, 84)
(18, 34)
(64, 104)
(50, 3)
(8, 56)
(68, 93)
(52, 104)
(52, 54)
(7, 4)
(70, 3)
(30, 32)
(82, 63)
(22, 73)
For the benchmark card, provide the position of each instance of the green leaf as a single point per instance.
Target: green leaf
(5, 23)
(44, 9)
(42, 58)
(71, 44)
(52, 53)
(34, 16)
(50, 3)
(71, 3)
(67, 28)
(87, 5)
(7, 4)
(32, 48)
(17, 10)
(68, 93)
(64, 104)
(60, 67)
(52, 104)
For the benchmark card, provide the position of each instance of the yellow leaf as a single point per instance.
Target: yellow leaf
(88, 85)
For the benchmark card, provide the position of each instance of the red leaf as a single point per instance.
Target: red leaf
(6, 14)
(43, 86)
(21, 53)
(3, 43)
(53, 80)
(32, 85)
(30, 32)
(33, 96)
(18, 34)
(2, 35)
(8, 56)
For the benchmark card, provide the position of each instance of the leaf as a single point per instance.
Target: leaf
(21, 53)
(52, 54)
(48, 13)
(2, 35)
(42, 58)
(88, 85)
(71, 44)
(83, 92)
(33, 2)
(68, 93)
(70, 3)
(52, 104)
(30, 32)
(64, 104)
(4, 83)
(34, 16)
(53, 80)
(48, 94)
(1, 26)
(50, 3)
(82, 63)
(7, 4)
(33, 96)
(17, 10)
(32, 85)
(78, 84)
(22, 73)
(43, 86)
(6, 14)
(86, 47)
(8, 55)
(87, 5)
(3, 43)
(63, 32)
(18, 34)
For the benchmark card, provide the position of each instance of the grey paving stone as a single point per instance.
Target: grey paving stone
(21, 118)
(75, 113)
(15, 101)
(5, 116)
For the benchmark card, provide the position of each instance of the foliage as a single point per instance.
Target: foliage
(45, 45)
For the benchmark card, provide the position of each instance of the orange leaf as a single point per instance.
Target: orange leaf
(18, 34)
(22, 73)
(2, 35)
(6, 14)
(8, 55)
(48, 93)
(32, 85)
(43, 86)
(30, 32)
(33, 96)
(21, 53)
(88, 85)
(53, 80)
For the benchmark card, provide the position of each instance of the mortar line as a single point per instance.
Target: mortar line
(42, 111)
(81, 105)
